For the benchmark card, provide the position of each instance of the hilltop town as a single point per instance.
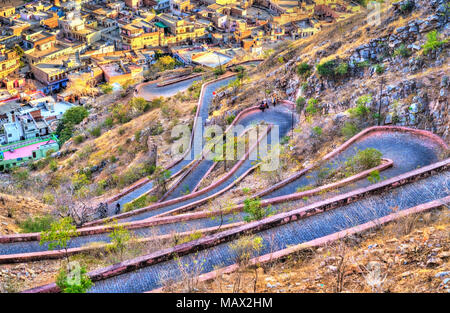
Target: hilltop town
(224, 145)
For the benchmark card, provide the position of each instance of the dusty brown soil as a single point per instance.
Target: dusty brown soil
(411, 255)
(14, 209)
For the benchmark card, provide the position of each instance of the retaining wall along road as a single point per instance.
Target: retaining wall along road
(284, 253)
(430, 136)
(257, 226)
(146, 180)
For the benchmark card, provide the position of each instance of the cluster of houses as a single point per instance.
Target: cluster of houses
(47, 45)
(27, 124)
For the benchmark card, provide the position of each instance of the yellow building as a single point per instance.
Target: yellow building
(226, 2)
(9, 62)
(141, 34)
(7, 11)
(182, 30)
(182, 5)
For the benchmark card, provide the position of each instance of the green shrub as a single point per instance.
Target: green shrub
(361, 110)
(156, 129)
(407, 7)
(96, 131)
(379, 69)
(20, 175)
(230, 118)
(246, 190)
(134, 173)
(108, 123)
(53, 165)
(37, 224)
(363, 160)
(433, 42)
(254, 210)
(402, 51)
(327, 69)
(304, 69)
(300, 104)
(140, 105)
(284, 140)
(363, 64)
(374, 177)
(311, 108)
(48, 198)
(137, 135)
(68, 284)
(106, 88)
(78, 139)
(218, 71)
(304, 86)
(342, 69)
(349, 130)
(304, 188)
(317, 131)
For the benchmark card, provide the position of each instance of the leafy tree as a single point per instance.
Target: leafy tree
(71, 117)
(161, 177)
(120, 236)
(59, 235)
(75, 115)
(254, 210)
(165, 63)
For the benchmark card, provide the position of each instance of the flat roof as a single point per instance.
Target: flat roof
(160, 25)
(24, 151)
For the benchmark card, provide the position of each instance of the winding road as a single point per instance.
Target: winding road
(415, 176)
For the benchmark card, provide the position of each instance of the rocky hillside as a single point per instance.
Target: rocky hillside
(397, 69)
